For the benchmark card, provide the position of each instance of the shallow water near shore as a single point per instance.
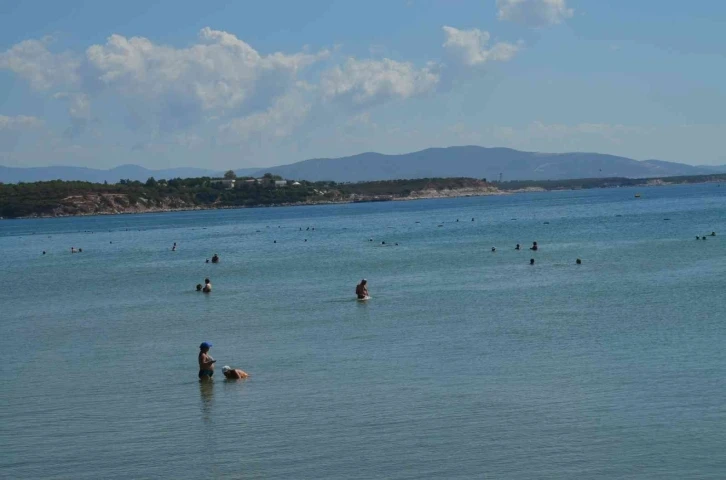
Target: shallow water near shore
(465, 363)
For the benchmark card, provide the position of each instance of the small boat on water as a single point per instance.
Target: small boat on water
(637, 195)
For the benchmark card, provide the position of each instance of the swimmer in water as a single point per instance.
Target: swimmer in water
(207, 286)
(199, 287)
(233, 373)
(43, 252)
(361, 290)
(215, 258)
(206, 261)
(534, 246)
(531, 261)
(73, 249)
(713, 234)
(517, 247)
(173, 248)
(578, 261)
(494, 249)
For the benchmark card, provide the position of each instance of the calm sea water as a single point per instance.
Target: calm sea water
(465, 363)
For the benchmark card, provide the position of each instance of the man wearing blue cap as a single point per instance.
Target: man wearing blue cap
(206, 362)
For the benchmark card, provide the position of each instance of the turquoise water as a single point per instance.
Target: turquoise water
(464, 364)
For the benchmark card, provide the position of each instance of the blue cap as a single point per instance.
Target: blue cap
(205, 345)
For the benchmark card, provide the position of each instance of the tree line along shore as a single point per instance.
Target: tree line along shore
(69, 198)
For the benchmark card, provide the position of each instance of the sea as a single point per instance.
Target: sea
(465, 363)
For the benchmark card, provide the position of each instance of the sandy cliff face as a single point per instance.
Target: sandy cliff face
(110, 203)
(114, 203)
(454, 192)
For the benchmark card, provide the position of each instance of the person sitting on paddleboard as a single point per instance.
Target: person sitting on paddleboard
(233, 373)
(361, 290)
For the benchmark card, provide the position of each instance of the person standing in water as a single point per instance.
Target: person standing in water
(361, 290)
(207, 286)
(206, 362)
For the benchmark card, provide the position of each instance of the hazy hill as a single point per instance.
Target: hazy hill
(480, 162)
(471, 161)
(132, 172)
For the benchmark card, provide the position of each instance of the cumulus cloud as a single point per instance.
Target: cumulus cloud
(368, 82)
(220, 72)
(218, 75)
(79, 111)
(469, 47)
(31, 60)
(19, 122)
(219, 83)
(534, 13)
(280, 120)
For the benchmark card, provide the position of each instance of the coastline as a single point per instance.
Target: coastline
(177, 205)
(419, 195)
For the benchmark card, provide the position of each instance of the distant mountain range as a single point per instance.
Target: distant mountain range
(468, 161)
(480, 162)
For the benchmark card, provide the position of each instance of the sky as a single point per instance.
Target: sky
(234, 84)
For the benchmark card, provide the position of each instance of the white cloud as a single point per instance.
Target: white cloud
(534, 13)
(79, 107)
(79, 111)
(220, 87)
(280, 120)
(468, 47)
(367, 82)
(32, 60)
(19, 122)
(221, 72)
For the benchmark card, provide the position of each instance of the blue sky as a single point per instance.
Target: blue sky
(231, 84)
